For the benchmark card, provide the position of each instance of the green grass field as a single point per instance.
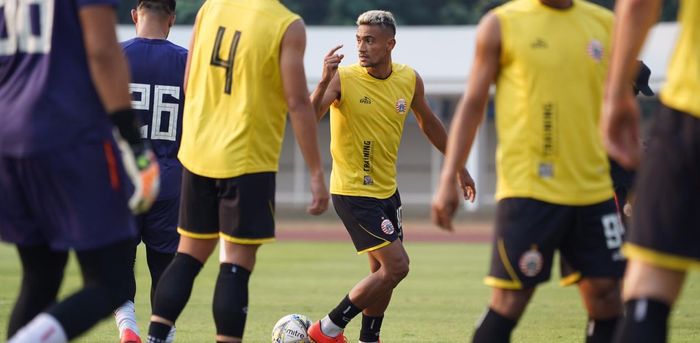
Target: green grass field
(439, 301)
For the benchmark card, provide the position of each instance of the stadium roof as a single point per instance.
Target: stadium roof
(442, 55)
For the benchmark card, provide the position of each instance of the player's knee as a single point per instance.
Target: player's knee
(402, 271)
(393, 274)
(603, 296)
(510, 303)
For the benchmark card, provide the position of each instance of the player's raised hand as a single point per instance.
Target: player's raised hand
(320, 195)
(330, 64)
(620, 126)
(444, 205)
(139, 161)
(467, 185)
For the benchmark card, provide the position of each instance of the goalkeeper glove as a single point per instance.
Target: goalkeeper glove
(138, 159)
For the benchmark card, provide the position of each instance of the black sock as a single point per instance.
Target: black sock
(370, 328)
(230, 303)
(175, 288)
(494, 328)
(601, 330)
(156, 330)
(645, 321)
(344, 312)
(157, 263)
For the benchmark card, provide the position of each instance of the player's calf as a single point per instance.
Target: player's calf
(172, 295)
(231, 300)
(42, 271)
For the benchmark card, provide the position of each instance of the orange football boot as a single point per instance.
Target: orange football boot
(318, 336)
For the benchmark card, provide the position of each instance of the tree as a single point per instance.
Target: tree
(407, 12)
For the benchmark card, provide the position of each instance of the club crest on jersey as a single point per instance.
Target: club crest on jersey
(401, 106)
(595, 50)
(387, 227)
(531, 262)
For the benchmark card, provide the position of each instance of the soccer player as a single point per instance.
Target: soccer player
(245, 70)
(548, 59)
(157, 69)
(662, 243)
(369, 103)
(623, 178)
(63, 183)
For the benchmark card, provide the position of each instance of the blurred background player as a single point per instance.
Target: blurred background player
(662, 243)
(157, 69)
(369, 102)
(245, 70)
(548, 59)
(63, 185)
(623, 178)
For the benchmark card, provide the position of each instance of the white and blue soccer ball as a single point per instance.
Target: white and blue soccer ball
(291, 329)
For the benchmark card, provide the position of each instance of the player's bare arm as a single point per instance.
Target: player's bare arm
(189, 55)
(108, 67)
(620, 122)
(433, 129)
(301, 114)
(110, 74)
(468, 116)
(328, 89)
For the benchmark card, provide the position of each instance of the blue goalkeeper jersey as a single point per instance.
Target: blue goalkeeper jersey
(47, 99)
(157, 71)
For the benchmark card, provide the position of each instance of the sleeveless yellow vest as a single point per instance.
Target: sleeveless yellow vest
(548, 98)
(366, 128)
(235, 112)
(683, 76)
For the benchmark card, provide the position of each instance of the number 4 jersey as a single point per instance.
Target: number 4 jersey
(157, 70)
(235, 112)
(47, 99)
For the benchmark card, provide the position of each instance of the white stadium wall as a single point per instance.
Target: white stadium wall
(442, 55)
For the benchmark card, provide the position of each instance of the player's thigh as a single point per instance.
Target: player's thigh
(666, 216)
(247, 208)
(77, 197)
(526, 235)
(371, 222)
(645, 280)
(159, 226)
(591, 249)
(392, 256)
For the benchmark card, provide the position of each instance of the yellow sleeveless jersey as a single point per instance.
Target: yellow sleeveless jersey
(366, 128)
(548, 99)
(235, 112)
(683, 84)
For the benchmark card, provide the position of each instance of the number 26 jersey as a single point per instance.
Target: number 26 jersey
(157, 70)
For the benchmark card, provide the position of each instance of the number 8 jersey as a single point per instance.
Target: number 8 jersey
(157, 70)
(47, 99)
(235, 111)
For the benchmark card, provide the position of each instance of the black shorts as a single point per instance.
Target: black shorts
(239, 209)
(372, 223)
(666, 219)
(528, 231)
(158, 226)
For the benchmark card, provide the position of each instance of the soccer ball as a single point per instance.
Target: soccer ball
(291, 329)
